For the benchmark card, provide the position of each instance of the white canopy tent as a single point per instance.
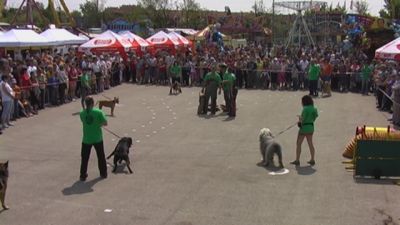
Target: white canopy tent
(62, 37)
(389, 51)
(23, 38)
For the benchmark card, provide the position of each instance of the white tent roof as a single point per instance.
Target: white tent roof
(162, 38)
(107, 41)
(134, 38)
(389, 51)
(23, 38)
(183, 30)
(179, 38)
(62, 37)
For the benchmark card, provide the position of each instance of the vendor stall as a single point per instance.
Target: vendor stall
(107, 42)
(139, 45)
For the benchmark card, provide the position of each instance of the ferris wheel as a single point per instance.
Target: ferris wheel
(300, 27)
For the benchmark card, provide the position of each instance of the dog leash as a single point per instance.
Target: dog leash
(106, 97)
(109, 131)
(290, 127)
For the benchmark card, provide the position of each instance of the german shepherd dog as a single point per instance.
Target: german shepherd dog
(109, 103)
(3, 183)
(121, 152)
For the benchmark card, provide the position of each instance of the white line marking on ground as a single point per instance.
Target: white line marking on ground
(143, 125)
(113, 139)
(137, 141)
(155, 132)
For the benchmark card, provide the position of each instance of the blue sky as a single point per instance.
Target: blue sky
(235, 5)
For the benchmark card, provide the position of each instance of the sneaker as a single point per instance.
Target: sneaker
(295, 162)
(311, 162)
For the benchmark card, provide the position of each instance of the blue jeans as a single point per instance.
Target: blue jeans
(364, 86)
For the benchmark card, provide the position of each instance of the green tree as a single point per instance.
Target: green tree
(192, 13)
(391, 9)
(91, 15)
(362, 7)
(157, 11)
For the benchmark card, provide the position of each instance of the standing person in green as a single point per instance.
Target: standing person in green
(85, 85)
(306, 125)
(92, 121)
(313, 76)
(228, 81)
(176, 75)
(212, 82)
(366, 73)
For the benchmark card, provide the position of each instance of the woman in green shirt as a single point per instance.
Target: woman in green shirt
(306, 125)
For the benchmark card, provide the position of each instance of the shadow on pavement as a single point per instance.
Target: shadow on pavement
(80, 187)
(371, 180)
(305, 170)
(75, 113)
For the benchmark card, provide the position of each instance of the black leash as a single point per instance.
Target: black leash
(290, 127)
(109, 131)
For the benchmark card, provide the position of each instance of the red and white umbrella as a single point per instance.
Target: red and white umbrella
(139, 44)
(107, 42)
(181, 39)
(163, 41)
(389, 51)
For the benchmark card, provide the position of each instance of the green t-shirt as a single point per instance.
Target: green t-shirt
(308, 115)
(175, 71)
(230, 77)
(92, 120)
(366, 72)
(213, 77)
(85, 79)
(313, 72)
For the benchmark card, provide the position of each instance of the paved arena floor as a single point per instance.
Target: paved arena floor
(191, 170)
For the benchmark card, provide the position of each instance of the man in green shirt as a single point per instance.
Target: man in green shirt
(366, 73)
(228, 85)
(313, 76)
(212, 82)
(92, 120)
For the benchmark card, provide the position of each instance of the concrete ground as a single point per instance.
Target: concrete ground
(191, 170)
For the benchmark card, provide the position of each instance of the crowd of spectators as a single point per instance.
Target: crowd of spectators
(45, 80)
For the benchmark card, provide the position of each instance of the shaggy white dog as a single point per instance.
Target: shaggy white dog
(269, 147)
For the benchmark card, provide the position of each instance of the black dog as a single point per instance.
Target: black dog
(121, 152)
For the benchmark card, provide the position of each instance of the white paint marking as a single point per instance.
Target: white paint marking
(162, 128)
(279, 172)
(143, 125)
(137, 141)
(148, 135)
(108, 210)
(113, 139)
(155, 132)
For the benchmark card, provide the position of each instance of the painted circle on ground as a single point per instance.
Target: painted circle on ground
(279, 172)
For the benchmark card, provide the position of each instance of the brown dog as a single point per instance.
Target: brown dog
(3, 183)
(109, 103)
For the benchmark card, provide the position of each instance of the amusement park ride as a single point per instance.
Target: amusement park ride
(299, 27)
(30, 5)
